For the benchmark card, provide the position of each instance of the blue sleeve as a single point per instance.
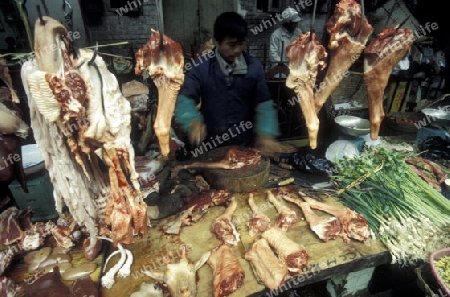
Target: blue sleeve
(186, 111)
(266, 114)
(267, 119)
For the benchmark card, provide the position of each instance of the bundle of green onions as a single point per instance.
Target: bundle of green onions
(406, 213)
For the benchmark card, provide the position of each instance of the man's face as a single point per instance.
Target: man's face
(230, 48)
(291, 26)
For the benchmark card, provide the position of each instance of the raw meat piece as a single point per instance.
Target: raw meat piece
(79, 119)
(349, 32)
(6, 78)
(227, 271)
(223, 227)
(8, 288)
(192, 211)
(354, 225)
(180, 277)
(306, 57)
(259, 222)
(10, 230)
(47, 285)
(290, 252)
(286, 216)
(325, 228)
(380, 57)
(235, 159)
(6, 257)
(164, 63)
(270, 269)
(207, 199)
(84, 287)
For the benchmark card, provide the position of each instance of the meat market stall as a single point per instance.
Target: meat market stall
(246, 224)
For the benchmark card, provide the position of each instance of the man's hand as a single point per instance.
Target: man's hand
(269, 146)
(197, 132)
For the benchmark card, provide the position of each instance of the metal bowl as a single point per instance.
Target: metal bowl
(353, 126)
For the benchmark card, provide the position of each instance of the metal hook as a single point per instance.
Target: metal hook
(81, 63)
(402, 23)
(311, 29)
(45, 7)
(69, 10)
(38, 8)
(361, 25)
(91, 61)
(159, 9)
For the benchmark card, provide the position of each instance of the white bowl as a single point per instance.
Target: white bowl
(352, 125)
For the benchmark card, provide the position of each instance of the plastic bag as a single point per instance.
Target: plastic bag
(435, 148)
(307, 162)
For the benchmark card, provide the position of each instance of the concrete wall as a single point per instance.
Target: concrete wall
(56, 12)
(115, 27)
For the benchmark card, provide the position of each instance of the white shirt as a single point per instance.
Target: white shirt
(278, 36)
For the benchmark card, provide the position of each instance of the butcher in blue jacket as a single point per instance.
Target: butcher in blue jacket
(225, 99)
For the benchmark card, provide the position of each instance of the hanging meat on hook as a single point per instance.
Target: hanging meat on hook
(81, 121)
(306, 57)
(164, 63)
(349, 31)
(380, 57)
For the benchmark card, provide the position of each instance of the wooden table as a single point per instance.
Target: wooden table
(325, 259)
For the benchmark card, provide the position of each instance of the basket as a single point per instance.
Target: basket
(434, 257)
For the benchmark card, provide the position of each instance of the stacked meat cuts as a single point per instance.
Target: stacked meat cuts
(81, 122)
(287, 250)
(163, 58)
(380, 57)
(272, 270)
(349, 32)
(306, 57)
(227, 271)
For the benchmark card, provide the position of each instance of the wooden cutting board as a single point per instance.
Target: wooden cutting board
(242, 180)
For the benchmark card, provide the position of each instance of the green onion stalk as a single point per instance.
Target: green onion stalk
(406, 213)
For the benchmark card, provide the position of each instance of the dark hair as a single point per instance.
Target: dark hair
(230, 24)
